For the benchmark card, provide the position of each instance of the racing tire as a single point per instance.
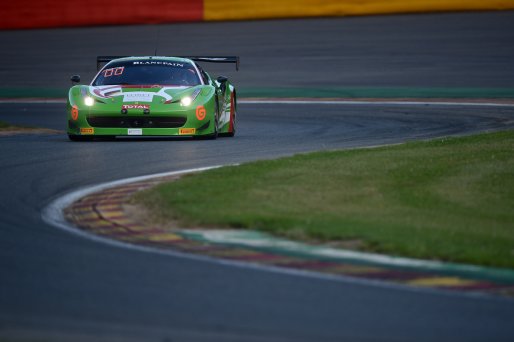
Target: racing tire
(232, 120)
(106, 137)
(74, 137)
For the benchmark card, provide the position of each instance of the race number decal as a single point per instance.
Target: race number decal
(119, 71)
(113, 71)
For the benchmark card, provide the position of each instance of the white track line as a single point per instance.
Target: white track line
(53, 214)
(255, 239)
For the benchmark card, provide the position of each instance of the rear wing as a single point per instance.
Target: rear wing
(216, 59)
(210, 59)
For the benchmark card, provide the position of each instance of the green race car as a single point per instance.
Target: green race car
(153, 96)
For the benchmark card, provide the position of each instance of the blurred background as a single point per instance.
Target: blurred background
(304, 47)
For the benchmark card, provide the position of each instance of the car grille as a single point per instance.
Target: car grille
(136, 121)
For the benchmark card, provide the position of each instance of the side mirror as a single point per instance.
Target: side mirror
(75, 79)
(222, 79)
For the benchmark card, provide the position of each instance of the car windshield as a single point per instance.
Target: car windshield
(148, 72)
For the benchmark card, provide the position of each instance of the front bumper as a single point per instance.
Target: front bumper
(182, 131)
(111, 124)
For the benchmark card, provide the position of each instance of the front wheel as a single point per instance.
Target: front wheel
(74, 137)
(233, 116)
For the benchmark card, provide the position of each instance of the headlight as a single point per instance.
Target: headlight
(186, 101)
(89, 101)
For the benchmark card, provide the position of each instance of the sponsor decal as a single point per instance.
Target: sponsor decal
(135, 131)
(187, 131)
(158, 63)
(200, 113)
(138, 96)
(116, 90)
(166, 96)
(135, 106)
(74, 113)
(87, 131)
(106, 91)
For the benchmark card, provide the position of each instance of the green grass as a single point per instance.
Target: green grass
(448, 199)
(4, 126)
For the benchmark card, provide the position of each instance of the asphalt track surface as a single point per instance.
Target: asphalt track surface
(53, 281)
(58, 286)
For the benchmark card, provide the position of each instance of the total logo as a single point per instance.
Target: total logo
(135, 106)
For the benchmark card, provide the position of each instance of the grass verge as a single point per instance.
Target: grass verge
(7, 129)
(4, 126)
(448, 199)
